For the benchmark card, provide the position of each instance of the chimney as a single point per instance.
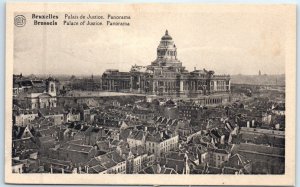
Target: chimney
(223, 139)
(194, 68)
(158, 168)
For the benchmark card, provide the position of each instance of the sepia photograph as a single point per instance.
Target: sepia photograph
(164, 94)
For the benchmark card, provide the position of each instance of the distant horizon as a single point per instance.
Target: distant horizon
(59, 74)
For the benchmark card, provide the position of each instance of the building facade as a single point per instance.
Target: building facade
(166, 76)
(37, 93)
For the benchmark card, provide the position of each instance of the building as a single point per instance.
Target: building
(76, 153)
(57, 114)
(157, 143)
(218, 156)
(166, 76)
(24, 117)
(109, 163)
(265, 159)
(35, 93)
(270, 137)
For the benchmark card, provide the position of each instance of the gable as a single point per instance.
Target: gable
(26, 133)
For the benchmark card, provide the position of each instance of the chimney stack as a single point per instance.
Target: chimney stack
(158, 168)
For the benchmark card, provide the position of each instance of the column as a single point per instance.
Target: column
(181, 86)
(139, 88)
(131, 83)
(153, 88)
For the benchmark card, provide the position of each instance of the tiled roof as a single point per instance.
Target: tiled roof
(97, 169)
(107, 160)
(228, 170)
(55, 161)
(213, 170)
(221, 151)
(52, 111)
(261, 149)
(77, 148)
(177, 165)
(237, 161)
(155, 170)
(137, 135)
(124, 134)
(46, 139)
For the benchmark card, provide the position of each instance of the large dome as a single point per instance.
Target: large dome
(166, 36)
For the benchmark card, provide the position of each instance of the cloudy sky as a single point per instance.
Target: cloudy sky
(231, 41)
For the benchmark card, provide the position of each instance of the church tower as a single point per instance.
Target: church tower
(51, 88)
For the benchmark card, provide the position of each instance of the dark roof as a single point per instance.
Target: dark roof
(18, 132)
(46, 139)
(261, 149)
(213, 170)
(137, 135)
(228, 170)
(280, 107)
(237, 161)
(166, 36)
(221, 151)
(157, 170)
(52, 111)
(77, 148)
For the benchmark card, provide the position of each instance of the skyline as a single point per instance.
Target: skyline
(233, 42)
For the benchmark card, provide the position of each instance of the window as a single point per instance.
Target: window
(52, 88)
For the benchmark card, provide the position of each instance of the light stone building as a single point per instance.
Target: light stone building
(166, 76)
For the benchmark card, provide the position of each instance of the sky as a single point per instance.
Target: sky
(232, 40)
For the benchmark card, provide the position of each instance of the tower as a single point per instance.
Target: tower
(51, 88)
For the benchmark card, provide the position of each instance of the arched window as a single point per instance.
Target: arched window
(52, 88)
